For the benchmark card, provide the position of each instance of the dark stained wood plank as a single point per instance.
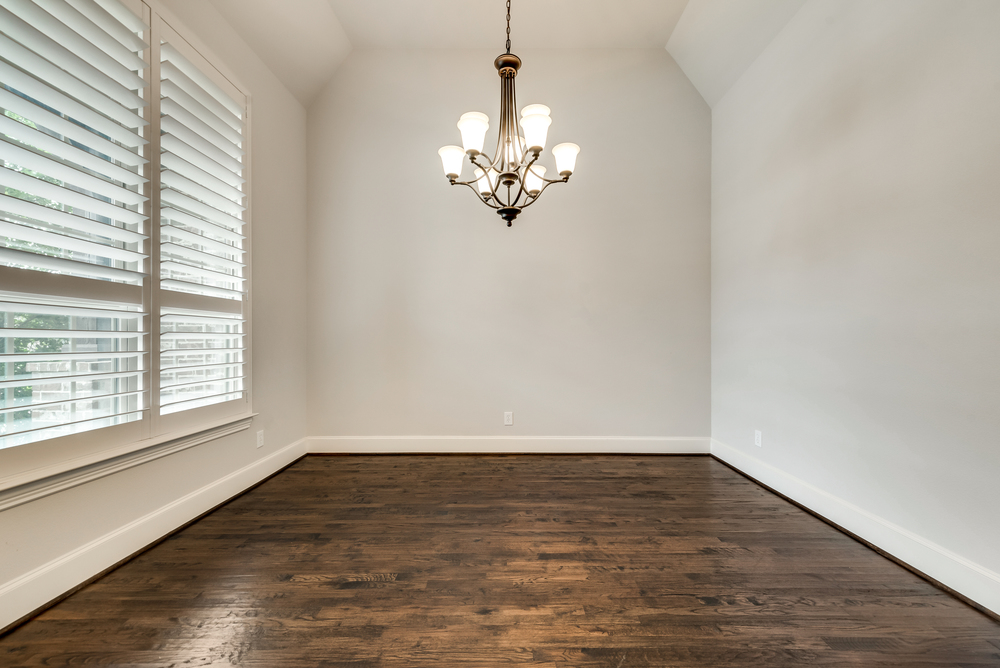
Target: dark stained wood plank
(481, 561)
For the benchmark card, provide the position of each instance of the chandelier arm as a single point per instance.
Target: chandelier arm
(492, 164)
(486, 169)
(530, 202)
(486, 172)
(472, 159)
(517, 150)
(475, 190)
(527, 167)
(520, 190)
(499, 153)
(531, 162)
(513, 120)
(508, 149)
(464, 183)
(539, 176)
(548, 183)
(504, 130)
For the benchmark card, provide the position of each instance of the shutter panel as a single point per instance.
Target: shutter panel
(201, 357)
(72, 203)
(76, 43)
(66, 368)
(202, 213)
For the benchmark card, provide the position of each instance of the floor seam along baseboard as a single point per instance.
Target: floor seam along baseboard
(49, 582)
(970, 580)
(501, 444)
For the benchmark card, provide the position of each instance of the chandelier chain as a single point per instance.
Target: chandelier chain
(508, 26)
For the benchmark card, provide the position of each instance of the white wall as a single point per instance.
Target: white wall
(430, 317)
(52, 544)
(855, 277)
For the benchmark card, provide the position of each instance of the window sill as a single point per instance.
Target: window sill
(39, 483)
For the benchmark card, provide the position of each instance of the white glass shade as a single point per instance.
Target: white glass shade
(485, 182)
(451, 160)
(565, 155)
(533, 179)
(474, 125)
(536, 109)
(536, 128)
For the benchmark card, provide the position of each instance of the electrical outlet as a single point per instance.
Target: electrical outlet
(260, 438)
(508, 419)
(758, 439)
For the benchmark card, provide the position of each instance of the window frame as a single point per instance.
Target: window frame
(31, 462)
(183, 422)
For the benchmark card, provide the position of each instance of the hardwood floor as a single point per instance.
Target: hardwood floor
(418, 561)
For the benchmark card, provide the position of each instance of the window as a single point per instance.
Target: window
(107, 117)
(202, 282)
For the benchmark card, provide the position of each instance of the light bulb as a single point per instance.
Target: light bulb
(536, 128)
(474, 125)
(565, 155)
(451, 160)
(533, 179)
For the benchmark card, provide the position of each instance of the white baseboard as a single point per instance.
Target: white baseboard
(34, 589)
(508, 444)
(968, 578)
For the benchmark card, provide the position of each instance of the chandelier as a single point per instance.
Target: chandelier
(512, 179)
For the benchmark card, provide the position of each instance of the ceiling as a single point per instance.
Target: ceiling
(717, 40)
(304, 41)
(301, 41)
(465, 24)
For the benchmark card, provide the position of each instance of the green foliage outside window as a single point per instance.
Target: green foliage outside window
(28, 345)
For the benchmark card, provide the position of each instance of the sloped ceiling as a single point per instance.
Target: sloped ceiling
(304, 41)
(717, 40)
(463, 24)
(301, 41)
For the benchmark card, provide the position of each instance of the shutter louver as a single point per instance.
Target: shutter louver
(66, 368)
(201, 356)
(73, 203)
(202, 213)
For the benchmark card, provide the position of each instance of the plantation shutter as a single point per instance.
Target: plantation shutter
(202, 219)
(73, 221)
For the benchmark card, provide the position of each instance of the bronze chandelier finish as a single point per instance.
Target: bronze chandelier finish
(508, 195)
(506, 173)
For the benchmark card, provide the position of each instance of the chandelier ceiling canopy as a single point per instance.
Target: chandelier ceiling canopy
(511, 179)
